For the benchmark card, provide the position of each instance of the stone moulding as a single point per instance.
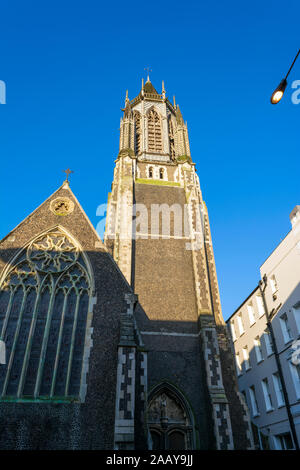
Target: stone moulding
(156, 182)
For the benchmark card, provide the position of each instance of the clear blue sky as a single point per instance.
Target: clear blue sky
(67, 65)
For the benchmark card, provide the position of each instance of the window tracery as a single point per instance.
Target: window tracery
(154, 132)
(44, 301)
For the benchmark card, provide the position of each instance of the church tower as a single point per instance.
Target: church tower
(158, 232)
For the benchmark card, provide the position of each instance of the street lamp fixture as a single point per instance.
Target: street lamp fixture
(278, 92)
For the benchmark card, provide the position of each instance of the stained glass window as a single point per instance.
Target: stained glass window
(44, 300)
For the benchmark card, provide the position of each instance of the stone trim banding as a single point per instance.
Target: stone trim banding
(163, 333)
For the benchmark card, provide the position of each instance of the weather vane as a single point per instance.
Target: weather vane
(68, 172)
(148, 70)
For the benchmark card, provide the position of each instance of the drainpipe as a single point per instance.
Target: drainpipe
(278, 363)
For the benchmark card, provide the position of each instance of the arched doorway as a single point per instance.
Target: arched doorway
(170, 420)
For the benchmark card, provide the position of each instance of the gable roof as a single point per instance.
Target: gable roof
(63, 191)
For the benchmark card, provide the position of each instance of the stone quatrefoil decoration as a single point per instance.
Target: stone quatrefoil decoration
(62, 206)
(53, 252)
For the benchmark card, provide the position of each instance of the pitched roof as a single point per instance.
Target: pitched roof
(149, 88)
(62, 191)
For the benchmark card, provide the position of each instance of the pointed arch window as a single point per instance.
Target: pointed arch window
(170, 420)
(171, 138)
(154, 132)
(138, 132)
(44, 304)
(161, 173)
(150, 172)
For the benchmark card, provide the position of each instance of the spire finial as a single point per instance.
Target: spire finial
(68, 172)
(174, 102)
(163, 91)
(126, 98)
(142, 90)
(148, 70)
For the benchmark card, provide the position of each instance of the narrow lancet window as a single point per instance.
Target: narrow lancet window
(171, 139)
(138, 132)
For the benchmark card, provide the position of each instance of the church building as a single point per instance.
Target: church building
(121, 343)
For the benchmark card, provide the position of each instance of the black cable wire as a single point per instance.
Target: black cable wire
(292, 64)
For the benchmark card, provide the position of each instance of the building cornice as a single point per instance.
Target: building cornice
(239, 308)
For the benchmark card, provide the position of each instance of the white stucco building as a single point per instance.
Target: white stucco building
(267, 357)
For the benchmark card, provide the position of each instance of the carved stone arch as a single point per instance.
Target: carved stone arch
(170, 419)
(45, 319)
(155, 133)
